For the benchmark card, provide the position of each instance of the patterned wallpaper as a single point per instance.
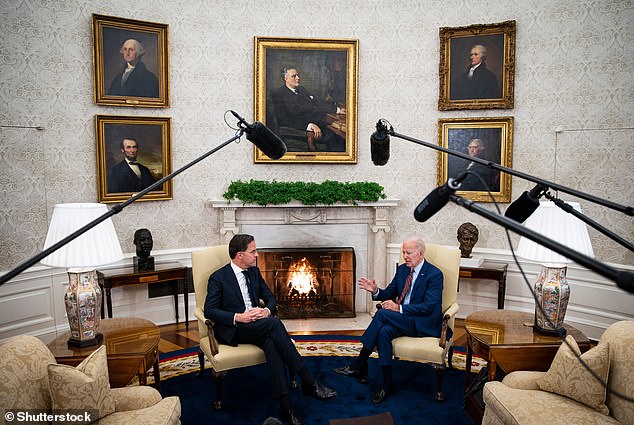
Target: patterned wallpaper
(573, 107)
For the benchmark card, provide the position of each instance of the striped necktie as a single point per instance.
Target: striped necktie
(408, 283)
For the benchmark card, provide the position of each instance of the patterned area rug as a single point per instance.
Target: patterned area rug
(185, 361)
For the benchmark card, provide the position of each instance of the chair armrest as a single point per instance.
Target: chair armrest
(449, 314)
(213, 342)
(200, 314)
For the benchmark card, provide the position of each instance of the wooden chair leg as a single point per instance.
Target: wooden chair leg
(450, 357)
(218, 377)
(310, 138)
(440, 375)
(201, 361)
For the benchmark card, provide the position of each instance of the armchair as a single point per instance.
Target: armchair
(27, 383)
(222, 357)
(437, 351)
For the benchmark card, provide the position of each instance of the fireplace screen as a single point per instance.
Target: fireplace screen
(310, 282)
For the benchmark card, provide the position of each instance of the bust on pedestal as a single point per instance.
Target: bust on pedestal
(468, 236)
(144, 243)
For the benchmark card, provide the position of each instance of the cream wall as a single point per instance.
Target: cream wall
(573, 98)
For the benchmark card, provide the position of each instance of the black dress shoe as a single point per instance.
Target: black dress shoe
(291, 417)
(380, 395)
(319, 391)
(353, 373)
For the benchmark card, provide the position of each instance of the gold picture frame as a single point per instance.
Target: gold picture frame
(493, 138)
(489, 85)
(327, 73)
(118, 42)
(116, 179)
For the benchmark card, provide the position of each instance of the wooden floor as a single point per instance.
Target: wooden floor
(175, 337)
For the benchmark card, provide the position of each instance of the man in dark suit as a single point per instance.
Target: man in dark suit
(232, 303)
(134, 79)
(129, 175)
(297, 108)
(411, 306)
(477, 82)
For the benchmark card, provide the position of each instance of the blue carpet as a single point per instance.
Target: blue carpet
(247, 398)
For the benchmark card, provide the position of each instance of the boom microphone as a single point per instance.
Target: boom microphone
(258, 134)
(526, 204)
(380, 144)
(437, 198)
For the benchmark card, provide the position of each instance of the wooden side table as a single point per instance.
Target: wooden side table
(488, 271)
(131, 344)
(162, 273)
(506, 339)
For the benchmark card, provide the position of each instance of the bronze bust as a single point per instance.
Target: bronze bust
(467, 236)
(144, 243)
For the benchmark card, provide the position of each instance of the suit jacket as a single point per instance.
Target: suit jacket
(425, 304)
(121, 178)
(224, 299)
(140, 83)
(298, 110)
(482, 85)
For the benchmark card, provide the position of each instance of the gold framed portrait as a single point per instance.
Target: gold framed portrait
(306, 93)
(490, 139)
(477, 67)
(131, 62)
(133, 153)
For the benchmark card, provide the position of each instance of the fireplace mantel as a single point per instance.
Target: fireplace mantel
(374, 215)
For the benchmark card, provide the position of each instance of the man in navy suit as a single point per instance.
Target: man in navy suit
(411, 306)
(232, 303)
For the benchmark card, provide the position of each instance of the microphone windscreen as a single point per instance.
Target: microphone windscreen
(433, 203)
(522, 208)
(379, 148)
(268, 142)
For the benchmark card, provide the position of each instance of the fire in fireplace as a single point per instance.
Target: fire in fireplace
(310, 282)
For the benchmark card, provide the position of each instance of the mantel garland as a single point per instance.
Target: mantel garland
(308, 193)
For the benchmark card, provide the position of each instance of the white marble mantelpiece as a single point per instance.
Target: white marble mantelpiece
(364, 227)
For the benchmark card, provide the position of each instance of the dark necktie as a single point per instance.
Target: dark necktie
(248, 281)
(408, 283)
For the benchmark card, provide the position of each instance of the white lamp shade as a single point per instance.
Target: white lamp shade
(554, 223)
(96, 247)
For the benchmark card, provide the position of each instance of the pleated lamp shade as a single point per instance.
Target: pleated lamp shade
(96, 247)
(551, 221)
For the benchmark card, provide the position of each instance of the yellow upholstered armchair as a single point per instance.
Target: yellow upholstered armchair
(222, 357)
(437, 351)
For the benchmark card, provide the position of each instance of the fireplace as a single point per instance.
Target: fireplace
(310, 282)
(363, 226)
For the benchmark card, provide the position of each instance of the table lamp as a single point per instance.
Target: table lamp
(96, 247)
(552, 291)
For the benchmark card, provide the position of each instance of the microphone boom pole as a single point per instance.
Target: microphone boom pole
(604, 202)
(623, 279)
(114, 210)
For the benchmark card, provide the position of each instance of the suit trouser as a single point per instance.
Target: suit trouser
(384, 327)
(272, 337)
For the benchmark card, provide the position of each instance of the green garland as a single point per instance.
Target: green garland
(326, 193)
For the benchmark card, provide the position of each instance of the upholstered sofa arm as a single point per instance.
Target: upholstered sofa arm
(523, 379)
(135, 397)
(166, 412)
